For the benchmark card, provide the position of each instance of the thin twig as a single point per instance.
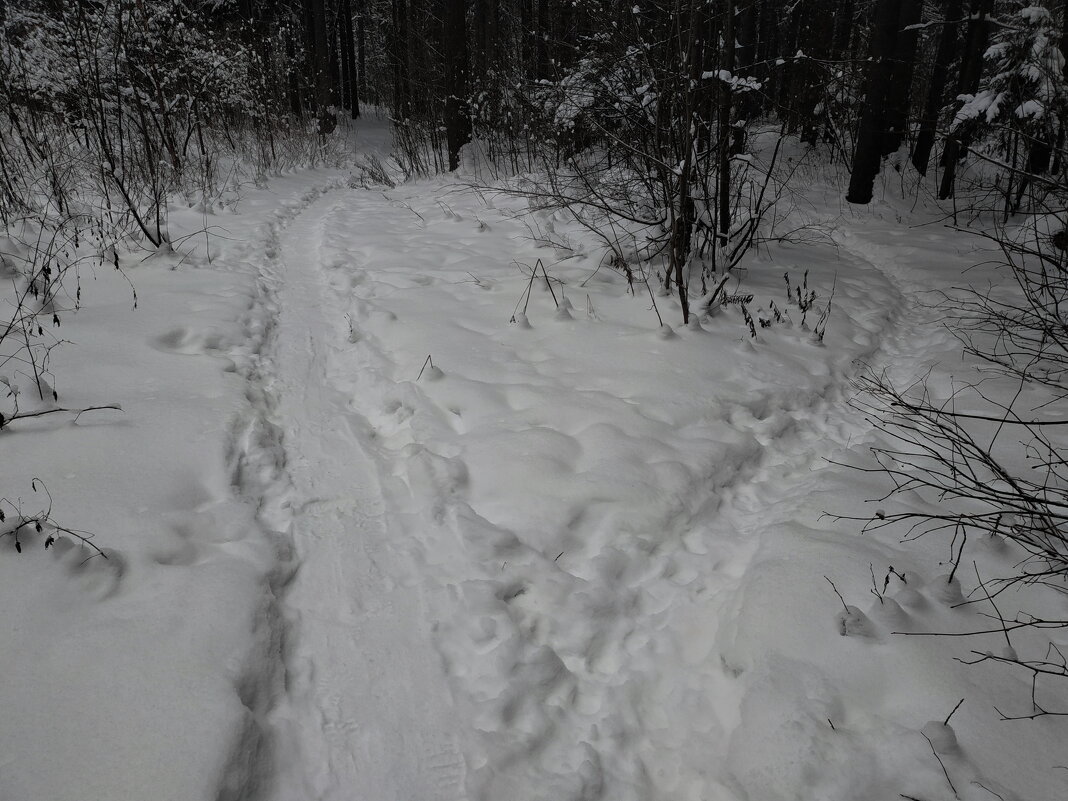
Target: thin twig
(946, 721)
(76, 412)
(840, 598)
(428, 361)
(941, 764)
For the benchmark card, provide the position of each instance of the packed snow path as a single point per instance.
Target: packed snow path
(368, 713)
(561, 561)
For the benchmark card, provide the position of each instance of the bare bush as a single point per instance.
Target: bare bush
(989, 457)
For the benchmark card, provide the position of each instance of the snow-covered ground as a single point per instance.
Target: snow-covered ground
(375, 534)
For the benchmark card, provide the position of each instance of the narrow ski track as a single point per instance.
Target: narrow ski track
(366, 713)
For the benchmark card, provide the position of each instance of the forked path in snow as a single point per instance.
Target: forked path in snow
(572, 559)
(367, 713)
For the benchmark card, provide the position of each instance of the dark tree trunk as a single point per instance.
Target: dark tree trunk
(348, 60)
(814, 37)
(747, 35)
(1058, 148)
(936, 89)
(746, 102)
(684, 38)
(454, 40)
(725, 126)
(342, 57)
(337, 77)
(897, 99)
(528, 45)
(401, 88)
(542, 32)
(1040, 146)
(361, 50)
(843, 29)
(709, 57)
(790, 82)
(868, 154)
(767, 49)
(319, 57)
(971, 71)
(292, 75)
(492, 27)
(565, 44)
(480, 58)
(1039, 156)
(487, 33)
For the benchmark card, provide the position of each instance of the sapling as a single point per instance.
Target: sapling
(525, 297)
(717, 297)
(821, 324)
(845, 606)
(548, 283)
(881, 593)
(748, 319)
(801, 295)
(432, 373)
(851, 621)
(16, 523)
(778, 316)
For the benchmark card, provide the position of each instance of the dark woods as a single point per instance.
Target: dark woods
(680, 80)
(659, 123)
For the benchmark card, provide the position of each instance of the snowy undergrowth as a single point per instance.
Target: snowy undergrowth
(571, 559)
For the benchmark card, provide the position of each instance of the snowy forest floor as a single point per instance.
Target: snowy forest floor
(572, 558)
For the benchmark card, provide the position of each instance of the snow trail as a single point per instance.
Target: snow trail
(367, 713)
(560, 562)
(583, 644)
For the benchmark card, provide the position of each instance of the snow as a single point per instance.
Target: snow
(736, 82)
(581, 556)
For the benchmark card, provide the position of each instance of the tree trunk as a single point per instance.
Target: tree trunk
(971, 71)
(1041, 146)
(791, 81)
(747, 103)
(348, 60)
(868, 154)
(1058, 148)
(457, 119)
(401, 88)
(684, 40)
(487, 33)
(904, 61)
(492, 26)
(814, 37)
(361, 50)
(843, 29)
(342, 57)
(337, 76)
(725, 127)
(480, 58)
(319, 52)
(528, 46)
(543, 29)
(767, 49)
(295, 106)
(936, 89)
